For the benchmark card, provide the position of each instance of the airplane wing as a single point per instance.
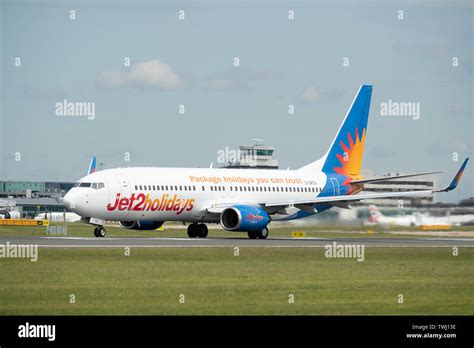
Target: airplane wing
(338, 200)
(386, 178)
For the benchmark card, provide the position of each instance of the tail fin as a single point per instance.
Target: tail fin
(345, 153)
(375, 214)
(92, 166)
(374, 211)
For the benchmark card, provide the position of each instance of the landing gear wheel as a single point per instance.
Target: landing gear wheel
(202, 231)
(262, 234)
(100, 232)
(193, 230)
(252, 234)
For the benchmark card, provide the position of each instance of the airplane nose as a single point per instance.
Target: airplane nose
(69, 200)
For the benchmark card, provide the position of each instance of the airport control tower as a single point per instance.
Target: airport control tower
(255, 156)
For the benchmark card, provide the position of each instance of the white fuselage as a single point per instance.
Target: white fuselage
(185, 194)
(59, 217)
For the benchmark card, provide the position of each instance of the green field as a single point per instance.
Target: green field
(259, 281)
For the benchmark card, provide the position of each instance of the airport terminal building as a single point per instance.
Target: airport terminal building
(33, 197)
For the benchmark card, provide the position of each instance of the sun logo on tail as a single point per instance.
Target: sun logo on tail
(351, 159)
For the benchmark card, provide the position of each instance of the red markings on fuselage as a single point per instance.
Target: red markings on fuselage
(142, 202)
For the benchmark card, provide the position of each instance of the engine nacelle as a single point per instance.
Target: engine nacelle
(244, 218)
(141, 225)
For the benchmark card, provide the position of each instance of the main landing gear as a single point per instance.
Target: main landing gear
(262, 234)
(100, 231)
(197, 230)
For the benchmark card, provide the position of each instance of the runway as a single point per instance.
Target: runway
(118, 242)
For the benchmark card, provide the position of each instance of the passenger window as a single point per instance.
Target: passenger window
(136, 187)
(203, 188)
(181, 188)
(194, 188)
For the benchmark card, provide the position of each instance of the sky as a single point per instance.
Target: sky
(54, 52)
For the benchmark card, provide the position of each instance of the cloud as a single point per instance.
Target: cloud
(152, 73)
(223, 84)
(310, 94)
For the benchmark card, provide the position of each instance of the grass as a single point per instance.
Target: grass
(258, 282)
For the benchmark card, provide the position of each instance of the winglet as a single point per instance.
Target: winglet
(92, 166)
(456, 178)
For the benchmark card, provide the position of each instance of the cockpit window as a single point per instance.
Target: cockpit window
(95, 185)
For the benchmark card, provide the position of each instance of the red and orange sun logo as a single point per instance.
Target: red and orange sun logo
(351, 159)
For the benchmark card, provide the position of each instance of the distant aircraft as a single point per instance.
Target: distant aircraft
(241, 200)
(9, 214)
(416, 219)
(59, 217)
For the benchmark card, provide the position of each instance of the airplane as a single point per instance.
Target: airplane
(376, 218)
(9, 214)
(59, 217)
(416, 219)
(241, 200)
